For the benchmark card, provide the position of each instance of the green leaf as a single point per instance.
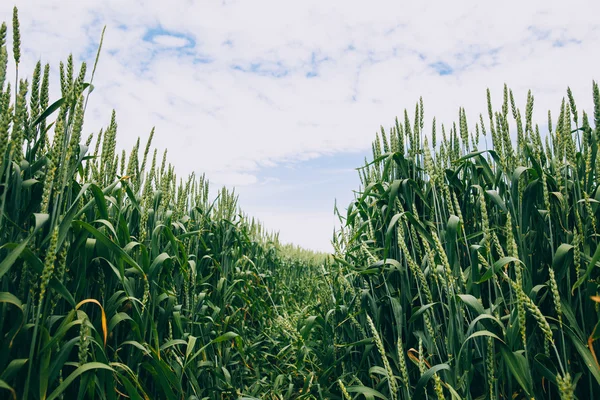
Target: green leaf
(118, 318)
(48, 111)
(171, 343)
(472, 302)
(390, 230)
(102, 208)
(517, 364)
(110, 244)
(190, 345)
(546, 367)
(6, 386)
(38, 266)
(559, 261)
(585, 353)
(82, 369)
(452, 230)
(478, 334)
(136, 345)
(67, 218)
(388, 261)
(422, 383)
(225, 336)
(365, 391)
(482, 317)
(13, 368)
(588, 271)
(130, 388)
(420, 311)
(157, 264)
(498, 265)
(7, 263)
(9, 298)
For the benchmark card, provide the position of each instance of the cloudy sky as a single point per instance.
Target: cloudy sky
(281, 99)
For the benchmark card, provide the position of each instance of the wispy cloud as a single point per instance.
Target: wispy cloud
(263, 68)
(171, 41)
(442, 68)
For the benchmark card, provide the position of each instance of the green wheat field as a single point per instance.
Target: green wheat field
(466, 267)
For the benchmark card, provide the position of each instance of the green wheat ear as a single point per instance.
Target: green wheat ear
(3, 55)
(34, 104)
(3, 30)
(20, 119)
(16, 37)
(596, 93)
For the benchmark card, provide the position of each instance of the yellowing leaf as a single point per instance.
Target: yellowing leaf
(104, 328)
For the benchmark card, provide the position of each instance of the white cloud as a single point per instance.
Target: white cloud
(376, 61)
(232, 178)
(316, 227)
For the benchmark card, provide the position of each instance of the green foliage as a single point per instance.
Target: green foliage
(138, 286)
(482, 262)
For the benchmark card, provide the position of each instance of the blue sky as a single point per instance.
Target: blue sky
(282, 99)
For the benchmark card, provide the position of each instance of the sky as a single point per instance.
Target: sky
(282, 99)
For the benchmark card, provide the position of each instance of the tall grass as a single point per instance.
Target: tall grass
(119, 279)
(472, 271)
